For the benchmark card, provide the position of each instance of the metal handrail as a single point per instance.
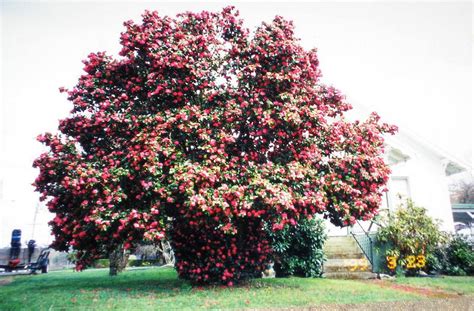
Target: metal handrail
(369, 256)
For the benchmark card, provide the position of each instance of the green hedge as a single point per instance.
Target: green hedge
(104, 263)
(456, 257)
(298, 250)
(143, 263)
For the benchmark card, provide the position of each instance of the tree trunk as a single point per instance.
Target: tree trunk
(118, 260)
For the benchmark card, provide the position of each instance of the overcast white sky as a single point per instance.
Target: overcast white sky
(412, 63)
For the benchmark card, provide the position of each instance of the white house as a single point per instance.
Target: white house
(420, 172)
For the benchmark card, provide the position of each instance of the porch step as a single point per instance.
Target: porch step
(345, 259)
(335, 245)
(347, 265)
(341, 254)
(338, 240)
(351, 275)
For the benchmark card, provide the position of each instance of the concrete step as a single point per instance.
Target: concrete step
(345, 259)
(337, 248)
(339, 241)
(344, 255)
(355, 268)
(350, 275)
(344, 251)
(330, 243)
(347, 265)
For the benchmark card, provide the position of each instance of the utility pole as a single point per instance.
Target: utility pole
(34, 221)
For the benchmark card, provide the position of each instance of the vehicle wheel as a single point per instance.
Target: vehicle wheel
(44, 269)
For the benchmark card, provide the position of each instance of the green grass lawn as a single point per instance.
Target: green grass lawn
(159, 289)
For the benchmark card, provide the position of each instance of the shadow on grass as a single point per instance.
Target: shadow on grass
(136, 282)
(160, 280)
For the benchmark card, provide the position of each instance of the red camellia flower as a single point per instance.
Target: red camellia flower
(202, 133)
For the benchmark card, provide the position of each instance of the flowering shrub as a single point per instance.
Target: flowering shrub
(203, 132)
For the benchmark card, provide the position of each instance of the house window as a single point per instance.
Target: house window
(399, 192)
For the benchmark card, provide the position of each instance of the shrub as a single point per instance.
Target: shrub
(298, 250)
(435, 262)
(143, 263)
(456, 257)
(102, 263)
(411, 232)
(460, 254)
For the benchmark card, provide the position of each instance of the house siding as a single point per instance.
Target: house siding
(427, 184)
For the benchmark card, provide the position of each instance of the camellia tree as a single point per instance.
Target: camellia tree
(202, 133)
